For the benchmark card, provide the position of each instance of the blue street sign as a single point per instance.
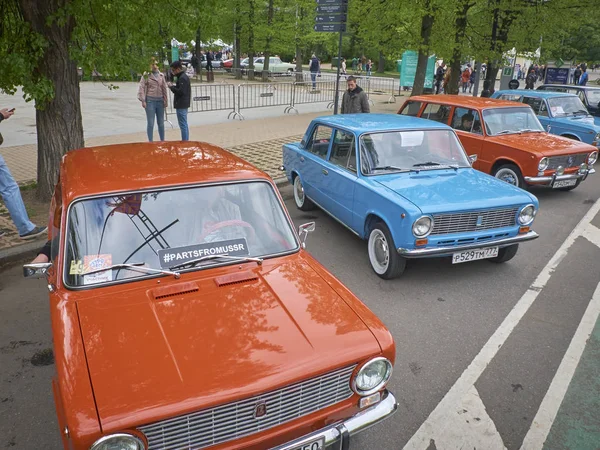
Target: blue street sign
(330, 27)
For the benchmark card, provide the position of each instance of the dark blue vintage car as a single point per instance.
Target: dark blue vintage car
(406, 185)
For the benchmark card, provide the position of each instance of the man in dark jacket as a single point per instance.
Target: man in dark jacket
(439, 77)
(183, 94)
(355, 100)
(315, 69)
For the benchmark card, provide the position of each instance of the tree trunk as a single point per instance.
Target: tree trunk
(381, 63)
(299, 78)
(426, 26)
(59, 124)
(199, 53)
(251, 40)
(267, 59)
(460, 27)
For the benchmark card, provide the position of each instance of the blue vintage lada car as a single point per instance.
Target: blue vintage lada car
(406, 186)
(560, 113)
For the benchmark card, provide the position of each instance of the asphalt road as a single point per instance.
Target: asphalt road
(440, 314)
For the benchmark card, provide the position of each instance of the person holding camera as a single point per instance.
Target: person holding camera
(11, 195)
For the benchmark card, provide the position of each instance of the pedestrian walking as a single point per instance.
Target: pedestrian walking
(315, 69)
(465, 77)
(343, 67)
(209, 60)
(182, 91)
(11, 195)
(471, 80)
(355, 100)
(583, 79)
(152, 92)
(354, 64)
(439, 77)
(369, 67)
(447, 79)
(531, 78)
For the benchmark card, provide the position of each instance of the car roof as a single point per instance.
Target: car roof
(363, 123)
(138, 166)
(464, 100)
(538, 94)
(572, 86)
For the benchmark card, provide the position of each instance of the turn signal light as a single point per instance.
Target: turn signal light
(421, 242)
(370, 400)
(523, 230)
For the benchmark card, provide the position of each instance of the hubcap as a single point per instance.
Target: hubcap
(509, 176)
(298, 192)
(379, 251)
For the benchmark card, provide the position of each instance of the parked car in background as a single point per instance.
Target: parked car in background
(508, 140)
(407, 187)
(275, 65)
(228, 65)
(186, 312)
(560, 113)
(589, 96)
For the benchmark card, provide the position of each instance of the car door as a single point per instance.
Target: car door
(258, 64)
(467, 123)
(312, 164)
(340, 176)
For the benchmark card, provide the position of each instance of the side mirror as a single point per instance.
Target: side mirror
(36, 270)
(548, 128)
(303, 231)
(472, 159)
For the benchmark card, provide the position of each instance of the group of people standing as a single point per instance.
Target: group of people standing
(579, 75)
(443, 74)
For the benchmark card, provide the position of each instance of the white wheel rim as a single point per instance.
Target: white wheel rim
(508, 175)
(379, 251)
(298, 192)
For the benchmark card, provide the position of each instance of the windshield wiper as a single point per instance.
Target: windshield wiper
(224, 255)
(504, 132)
(390, 168)
(135, 266)
(530, 130)
(580, 111)
(435, 164)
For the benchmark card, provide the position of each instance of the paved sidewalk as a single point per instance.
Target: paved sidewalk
(258, 141)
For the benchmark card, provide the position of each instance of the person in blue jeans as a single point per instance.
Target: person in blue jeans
(315, 68)
(11, 195)
(182, 91)
(153, 93)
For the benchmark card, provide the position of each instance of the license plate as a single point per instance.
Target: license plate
(474, 255)
(317, 444)
(564, 183)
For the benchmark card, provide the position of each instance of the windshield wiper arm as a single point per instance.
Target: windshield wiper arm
(504, 132)
(224, 255)
(436, 164)
(135, 266)
(530, 130)
(390, 168)
(584, 111)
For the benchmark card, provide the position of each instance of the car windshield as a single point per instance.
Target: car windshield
(411, 150)
(164, 229)
(566, 106)
(593, 96)
(510, 120)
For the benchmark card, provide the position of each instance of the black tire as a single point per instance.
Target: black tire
(505, 254)
(569, 188)
(385, 260)
(303, 203)
(511, 174)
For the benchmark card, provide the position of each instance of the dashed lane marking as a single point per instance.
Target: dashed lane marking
(445, 411)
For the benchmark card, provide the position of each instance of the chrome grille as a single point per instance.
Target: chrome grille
(576, 160)
(224, 423)
(474, 221)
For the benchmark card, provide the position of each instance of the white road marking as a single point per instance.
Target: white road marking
(444, 410)
(592, 234)
(537, 434)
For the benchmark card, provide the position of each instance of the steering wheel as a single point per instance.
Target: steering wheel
(228, 223)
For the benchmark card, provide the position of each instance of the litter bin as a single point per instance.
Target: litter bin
(334, 62)
(399, 65)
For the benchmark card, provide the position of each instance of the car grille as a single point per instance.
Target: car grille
(576, 160)
(473, 221)
(234, 420)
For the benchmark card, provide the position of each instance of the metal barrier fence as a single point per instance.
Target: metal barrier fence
(261, 95)
(208, 97)
(383, 86)
(313, 92)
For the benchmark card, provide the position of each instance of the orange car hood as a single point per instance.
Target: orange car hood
(544, 143)
(151, 358)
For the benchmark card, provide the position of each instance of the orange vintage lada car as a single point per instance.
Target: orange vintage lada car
(507, 140)
(186, 313)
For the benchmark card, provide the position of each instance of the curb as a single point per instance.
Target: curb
(30, 249)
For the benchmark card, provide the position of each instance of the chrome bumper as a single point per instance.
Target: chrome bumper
(550, 179)
(446, 251)
(339, 434)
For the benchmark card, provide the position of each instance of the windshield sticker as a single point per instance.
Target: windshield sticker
(76, 267)
(95, 262)
(180, 255)
(558, 110)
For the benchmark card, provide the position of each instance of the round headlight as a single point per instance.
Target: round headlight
(527, 215)
(373, 376)
(593, 158)
(422, 226)
(543, 164)
(120, 441)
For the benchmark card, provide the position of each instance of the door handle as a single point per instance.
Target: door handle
(302, 159)
(325, 172)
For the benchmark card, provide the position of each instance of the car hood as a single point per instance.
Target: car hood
(584, 121)
(439, 191)
(543, 143)
(157, 353)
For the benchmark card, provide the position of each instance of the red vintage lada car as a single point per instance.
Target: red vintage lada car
(186, 313)
(507, 140)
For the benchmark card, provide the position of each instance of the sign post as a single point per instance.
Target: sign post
(331, 18)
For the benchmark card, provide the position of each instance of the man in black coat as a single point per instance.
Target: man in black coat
(182, 90)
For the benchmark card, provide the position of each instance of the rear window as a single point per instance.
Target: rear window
(439, 113)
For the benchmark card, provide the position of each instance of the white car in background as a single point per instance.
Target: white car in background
(275, 65)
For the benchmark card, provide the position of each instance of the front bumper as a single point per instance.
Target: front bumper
(339, 434)
(447, 251)
(550, 179)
